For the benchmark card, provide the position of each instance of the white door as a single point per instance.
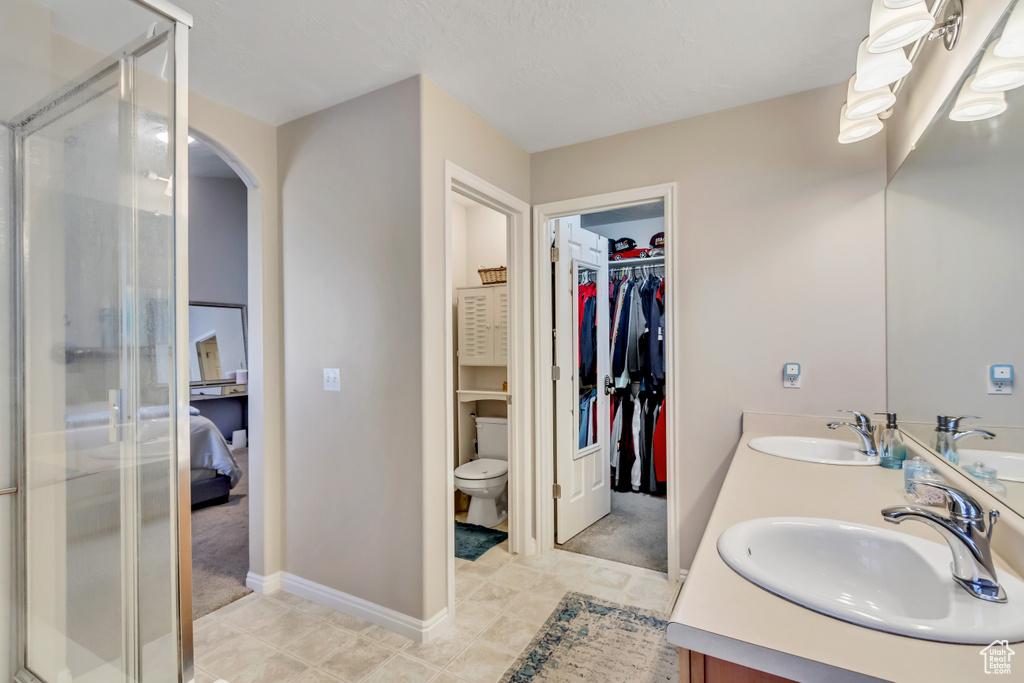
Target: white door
(476, 317)
(582, 420)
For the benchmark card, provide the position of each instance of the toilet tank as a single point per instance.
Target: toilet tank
(492, 437)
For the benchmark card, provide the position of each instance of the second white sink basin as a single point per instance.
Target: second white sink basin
(807, 449)
(1008, 466)
(881, 579)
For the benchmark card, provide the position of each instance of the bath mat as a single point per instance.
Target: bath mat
(473, 540)
(597, 641)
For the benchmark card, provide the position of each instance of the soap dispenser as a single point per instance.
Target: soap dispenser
(890, 445)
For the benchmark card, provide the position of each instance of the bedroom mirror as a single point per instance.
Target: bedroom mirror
(955, 273)
(217, 343)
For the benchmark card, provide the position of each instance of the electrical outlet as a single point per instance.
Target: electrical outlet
(791, 375)
(332, 379)
(1000, 379)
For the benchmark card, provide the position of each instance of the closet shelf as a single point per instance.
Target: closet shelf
(470, 395)
(649, 261)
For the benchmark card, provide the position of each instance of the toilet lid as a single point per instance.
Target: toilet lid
(482, 469)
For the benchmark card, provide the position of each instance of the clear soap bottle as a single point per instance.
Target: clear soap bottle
(890, 445)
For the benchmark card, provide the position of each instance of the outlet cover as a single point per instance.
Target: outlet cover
(332, 379)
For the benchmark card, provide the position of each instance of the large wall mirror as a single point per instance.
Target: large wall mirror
(955, 279)
(217, 342)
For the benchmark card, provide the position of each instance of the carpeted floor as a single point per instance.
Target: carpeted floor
(636, 533)
(220, 548)
(594, 640)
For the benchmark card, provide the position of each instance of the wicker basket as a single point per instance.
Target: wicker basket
(493, 276)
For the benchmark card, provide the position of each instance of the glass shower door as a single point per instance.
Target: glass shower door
(96, 418)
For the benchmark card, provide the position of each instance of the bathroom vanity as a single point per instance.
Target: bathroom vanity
(729, 629)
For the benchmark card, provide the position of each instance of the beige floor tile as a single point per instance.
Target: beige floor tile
(354, 661)
(539, 562)
(445, 677)
(205, 621)
(532, 608)
(576, 557)
(554, 585)
(253, 614)
(471, 618)
(516, 576)
(284, 627)
(509, 633)
(466, 584)
(389, 639)
(314, 645)
(204, 677)
(441, 650)
(402, 669)
(235, 656)
(349, 622)
(481, 662)
(610, 576)
(494, 596)
(598, 591)
(277, 668)
(212, 636)
(302, 604)
(570, 569)
(316, 676)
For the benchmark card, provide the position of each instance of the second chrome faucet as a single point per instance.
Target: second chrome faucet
(863, 428)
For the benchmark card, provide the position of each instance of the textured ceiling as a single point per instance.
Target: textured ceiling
(546, 73)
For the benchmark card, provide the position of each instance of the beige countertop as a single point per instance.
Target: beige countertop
(721, 614)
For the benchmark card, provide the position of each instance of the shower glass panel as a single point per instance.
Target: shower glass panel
(87, 222)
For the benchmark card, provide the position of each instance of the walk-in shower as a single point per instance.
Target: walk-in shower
(94, 561)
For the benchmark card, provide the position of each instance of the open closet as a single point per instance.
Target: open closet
(610, 313)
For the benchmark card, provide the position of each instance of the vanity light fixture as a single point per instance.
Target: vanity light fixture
(972, 105)
(893, 28)
(996, 74)
(875, 70)
(855, 130)
(1011, 43)
(862, 105)
(881, 60)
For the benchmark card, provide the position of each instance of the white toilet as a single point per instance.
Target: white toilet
(485, 479)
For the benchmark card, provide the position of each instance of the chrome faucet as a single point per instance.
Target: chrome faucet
(953, 426)
(964, 531)
(864, 429)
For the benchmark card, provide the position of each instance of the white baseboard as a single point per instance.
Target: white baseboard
(683, 573)
(264, 584)
(422, 631)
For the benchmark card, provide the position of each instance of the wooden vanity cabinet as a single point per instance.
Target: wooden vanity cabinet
(696, 667)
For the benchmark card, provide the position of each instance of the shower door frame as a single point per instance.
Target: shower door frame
(181, 22)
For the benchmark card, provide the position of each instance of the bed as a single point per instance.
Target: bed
(214, 469)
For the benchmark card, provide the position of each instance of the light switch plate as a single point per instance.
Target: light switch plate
(791, 375)
(1000, 379)
(332, 379)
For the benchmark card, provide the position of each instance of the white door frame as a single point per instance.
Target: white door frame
(520, 367)
(543, 458)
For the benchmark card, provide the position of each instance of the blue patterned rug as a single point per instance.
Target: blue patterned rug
(473, 540)
(597, 641)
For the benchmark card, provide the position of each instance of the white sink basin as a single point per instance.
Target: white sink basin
(807, 449)
(881, 579)
(1008, 466)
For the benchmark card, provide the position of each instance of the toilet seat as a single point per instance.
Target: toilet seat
(482, 468)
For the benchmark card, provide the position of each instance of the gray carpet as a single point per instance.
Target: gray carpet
(635, 533)
(220, 548)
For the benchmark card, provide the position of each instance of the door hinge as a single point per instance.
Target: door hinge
(556, 491)
(556, 372)
(554, 254)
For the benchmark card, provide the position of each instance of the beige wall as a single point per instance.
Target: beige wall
(780, 253)
(350, 216)
(936, 72)
(450, 131)
(252, 144)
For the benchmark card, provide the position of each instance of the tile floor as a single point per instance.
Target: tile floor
(502, 601)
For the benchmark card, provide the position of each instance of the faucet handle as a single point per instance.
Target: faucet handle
(863, 421)
(959, 503)
(953, 423)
